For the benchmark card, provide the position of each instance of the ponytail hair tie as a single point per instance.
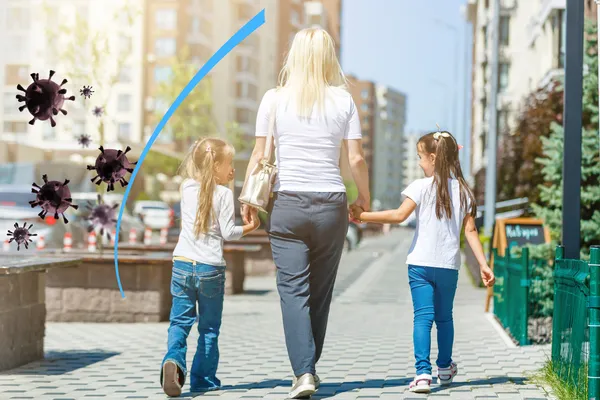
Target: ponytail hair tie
(208, 149)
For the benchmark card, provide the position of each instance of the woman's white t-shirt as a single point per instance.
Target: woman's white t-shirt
(207, 248)
(437, 241)
(308, 149)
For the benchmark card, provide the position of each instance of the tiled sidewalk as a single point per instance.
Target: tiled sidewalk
(368, 352)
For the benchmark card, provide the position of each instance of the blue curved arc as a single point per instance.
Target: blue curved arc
(238, 37)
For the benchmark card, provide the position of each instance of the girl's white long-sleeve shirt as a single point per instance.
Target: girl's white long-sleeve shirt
(207, 248)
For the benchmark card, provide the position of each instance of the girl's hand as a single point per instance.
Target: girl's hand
(487, 275)
(254, 220)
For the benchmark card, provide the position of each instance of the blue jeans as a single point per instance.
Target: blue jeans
(432, 291)
(204, 285)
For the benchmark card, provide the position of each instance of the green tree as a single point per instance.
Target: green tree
(549, 207)
(194, 117)
(88, 56)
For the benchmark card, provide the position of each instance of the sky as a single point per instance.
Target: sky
(405, 45)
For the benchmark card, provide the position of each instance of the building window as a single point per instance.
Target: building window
(124, 131)
(364, 107)
(48, 132)
(243, 11)
(124, 103)
(166, 19)
(10, 104)
(484, 34)
(503, 77)
(295, 18)
(242, 116)
(125, 75)
(504, 30)
(162, 74)
(562, 39)
(195, 25)
(364, 94)
(18, 18)
(502, 123)
(165, 47)
(78, 128)
(125, 44)
(365, 121)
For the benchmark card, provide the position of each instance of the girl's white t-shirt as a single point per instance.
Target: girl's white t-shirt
(308, 149)
(437, 241)
(207, 248)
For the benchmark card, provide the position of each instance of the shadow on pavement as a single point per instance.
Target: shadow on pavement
(62, 362)
(483, 382)
(331, 389)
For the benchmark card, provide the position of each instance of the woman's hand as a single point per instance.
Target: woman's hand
(356, 211)
(487, 275)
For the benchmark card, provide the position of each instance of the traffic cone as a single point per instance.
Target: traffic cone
(132, 236)
(148, 236)
(92, 241)
(6, 245)
(164, 232)
(41, 243)
(67, 242)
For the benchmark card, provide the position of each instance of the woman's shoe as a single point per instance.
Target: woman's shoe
(303, 386)
(170, 383)
(421, 384)
(446, 375)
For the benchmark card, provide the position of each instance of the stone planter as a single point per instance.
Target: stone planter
(23, 308)
(90, 293)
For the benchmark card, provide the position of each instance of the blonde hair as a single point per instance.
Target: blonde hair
(310, 67)
(199, 164)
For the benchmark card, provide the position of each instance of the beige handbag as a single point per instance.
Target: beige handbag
(258, 188)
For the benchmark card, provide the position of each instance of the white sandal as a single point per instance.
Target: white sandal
(446, 375)
(421, 384)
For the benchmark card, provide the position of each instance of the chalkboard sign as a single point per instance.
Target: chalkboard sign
(511, 232)
(521, 235)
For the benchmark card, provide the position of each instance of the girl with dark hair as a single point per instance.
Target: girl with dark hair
(444, 204)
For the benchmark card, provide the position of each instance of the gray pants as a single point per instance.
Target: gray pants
(307, 231)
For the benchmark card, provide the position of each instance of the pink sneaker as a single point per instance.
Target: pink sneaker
(446, 375)
(421, 384)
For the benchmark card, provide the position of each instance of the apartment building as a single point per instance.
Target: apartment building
(363, 93)
(25, 53)
(531, 55)
(294, 15)
(388, 147)
(410, 161)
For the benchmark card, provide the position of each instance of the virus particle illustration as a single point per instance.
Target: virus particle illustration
(53, 197)
(98, 111)
(111, 166)
(84, 140)
(86, 91)
(21, 235)
(102, 216)
(43, 98)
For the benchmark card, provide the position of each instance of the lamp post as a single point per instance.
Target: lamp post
(490, 171)
(571, 212)
(454, 31)
(446, 109)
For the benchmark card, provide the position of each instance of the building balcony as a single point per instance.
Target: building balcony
(246, 102)
(246, 76)
(547, 8)
(315, 14)
(198, 38)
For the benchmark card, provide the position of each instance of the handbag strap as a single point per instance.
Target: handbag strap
(270, 145)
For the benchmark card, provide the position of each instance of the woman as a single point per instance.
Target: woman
(314, 116)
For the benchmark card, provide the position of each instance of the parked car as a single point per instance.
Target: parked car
(175, 227)
(15, 208)
(128, 221)
(154, 214)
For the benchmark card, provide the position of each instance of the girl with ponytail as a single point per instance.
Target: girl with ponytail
(444, 205)
(198, 276)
